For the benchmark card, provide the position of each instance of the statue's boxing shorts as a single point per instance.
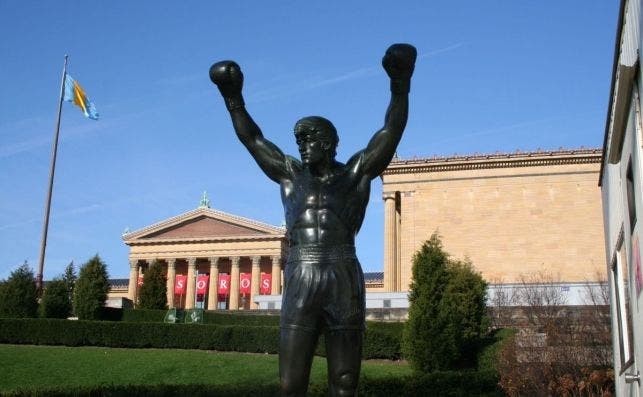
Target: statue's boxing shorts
(324, 289)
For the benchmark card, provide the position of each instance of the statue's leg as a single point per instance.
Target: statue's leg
(344, 355)
(296, 349)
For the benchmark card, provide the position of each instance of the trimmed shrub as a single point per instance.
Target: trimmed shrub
(439, 383)
(379, 342)
(467, 383)
(162, 390)
(240, 319)
(382, 340)
(18, 294)
(55, 301)
(491, 346)
(143, 315)
(139, 335)
(447, 313)
(111, 314)
(153, 292)
(209, 317)
(90, 291)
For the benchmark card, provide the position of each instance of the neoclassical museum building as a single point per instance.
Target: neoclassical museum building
(235, 252)
(512, 214)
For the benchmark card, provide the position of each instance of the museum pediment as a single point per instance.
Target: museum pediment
(204, 223)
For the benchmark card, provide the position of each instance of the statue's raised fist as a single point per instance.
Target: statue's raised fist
(399, 61)
(228, 77)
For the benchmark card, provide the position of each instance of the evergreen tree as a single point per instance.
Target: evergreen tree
(447, 313)
(422, 341)
(464, 304)
(19, 295)
(153, 292)
(90, 291)
(55, 301)
(70, 277)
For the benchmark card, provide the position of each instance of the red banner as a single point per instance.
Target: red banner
(202, 284)
(266, 281)
(224, 284)
(244, 283)
(179, 284)
(140, 281)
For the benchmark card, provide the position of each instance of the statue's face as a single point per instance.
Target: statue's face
(311, 149)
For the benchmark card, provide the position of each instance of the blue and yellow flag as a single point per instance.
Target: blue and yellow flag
(75, 93)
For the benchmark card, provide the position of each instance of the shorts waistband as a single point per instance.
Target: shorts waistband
(321, 253)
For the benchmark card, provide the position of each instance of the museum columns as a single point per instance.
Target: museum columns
(234, 283)
(189, 294)
(133, 280)
(276, 276)
(175, 268)
(171, 277)
(390, 241)
(214, 281)
(254, 284)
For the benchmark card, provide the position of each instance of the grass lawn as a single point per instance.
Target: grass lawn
(36, 367)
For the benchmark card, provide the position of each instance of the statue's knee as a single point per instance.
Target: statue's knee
(346, 384)
(290, 386)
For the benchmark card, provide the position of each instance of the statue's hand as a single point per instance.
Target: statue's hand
(399, 61)
(228, 78)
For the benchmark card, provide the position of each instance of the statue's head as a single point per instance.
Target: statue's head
(316, 134)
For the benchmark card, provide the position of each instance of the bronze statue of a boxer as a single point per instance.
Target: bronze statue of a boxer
(324, 203)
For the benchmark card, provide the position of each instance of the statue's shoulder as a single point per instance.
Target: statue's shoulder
(354, 164)
(293, 165)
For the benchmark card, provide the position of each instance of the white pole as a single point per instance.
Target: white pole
(54, 150)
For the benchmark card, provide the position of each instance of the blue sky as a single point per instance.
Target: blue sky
(490, 76)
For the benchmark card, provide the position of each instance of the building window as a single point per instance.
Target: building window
(620, 280)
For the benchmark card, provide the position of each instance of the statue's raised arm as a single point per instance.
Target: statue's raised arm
(324, 206)
(228, 77)
(399, 63)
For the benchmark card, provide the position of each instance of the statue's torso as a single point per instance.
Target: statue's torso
(324, 211)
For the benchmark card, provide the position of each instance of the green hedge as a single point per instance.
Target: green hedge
(209, 317)
(444, 384)
(139, 335)
(153, 391)
(435, 384)
(380, 340)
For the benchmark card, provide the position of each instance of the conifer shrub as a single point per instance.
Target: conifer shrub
(447, 313)
(55, 301)
(69, 277)
(90, 291)
(153, 292)
(18, 294)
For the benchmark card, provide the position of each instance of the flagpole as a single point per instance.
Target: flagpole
(54, 150)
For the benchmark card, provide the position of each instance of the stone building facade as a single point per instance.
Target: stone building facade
(621, 183)
(211, 242)
(512, 215)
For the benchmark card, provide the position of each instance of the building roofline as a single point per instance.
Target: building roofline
(260, 226)
(617, 50)
(495, 160)
(228, 238)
